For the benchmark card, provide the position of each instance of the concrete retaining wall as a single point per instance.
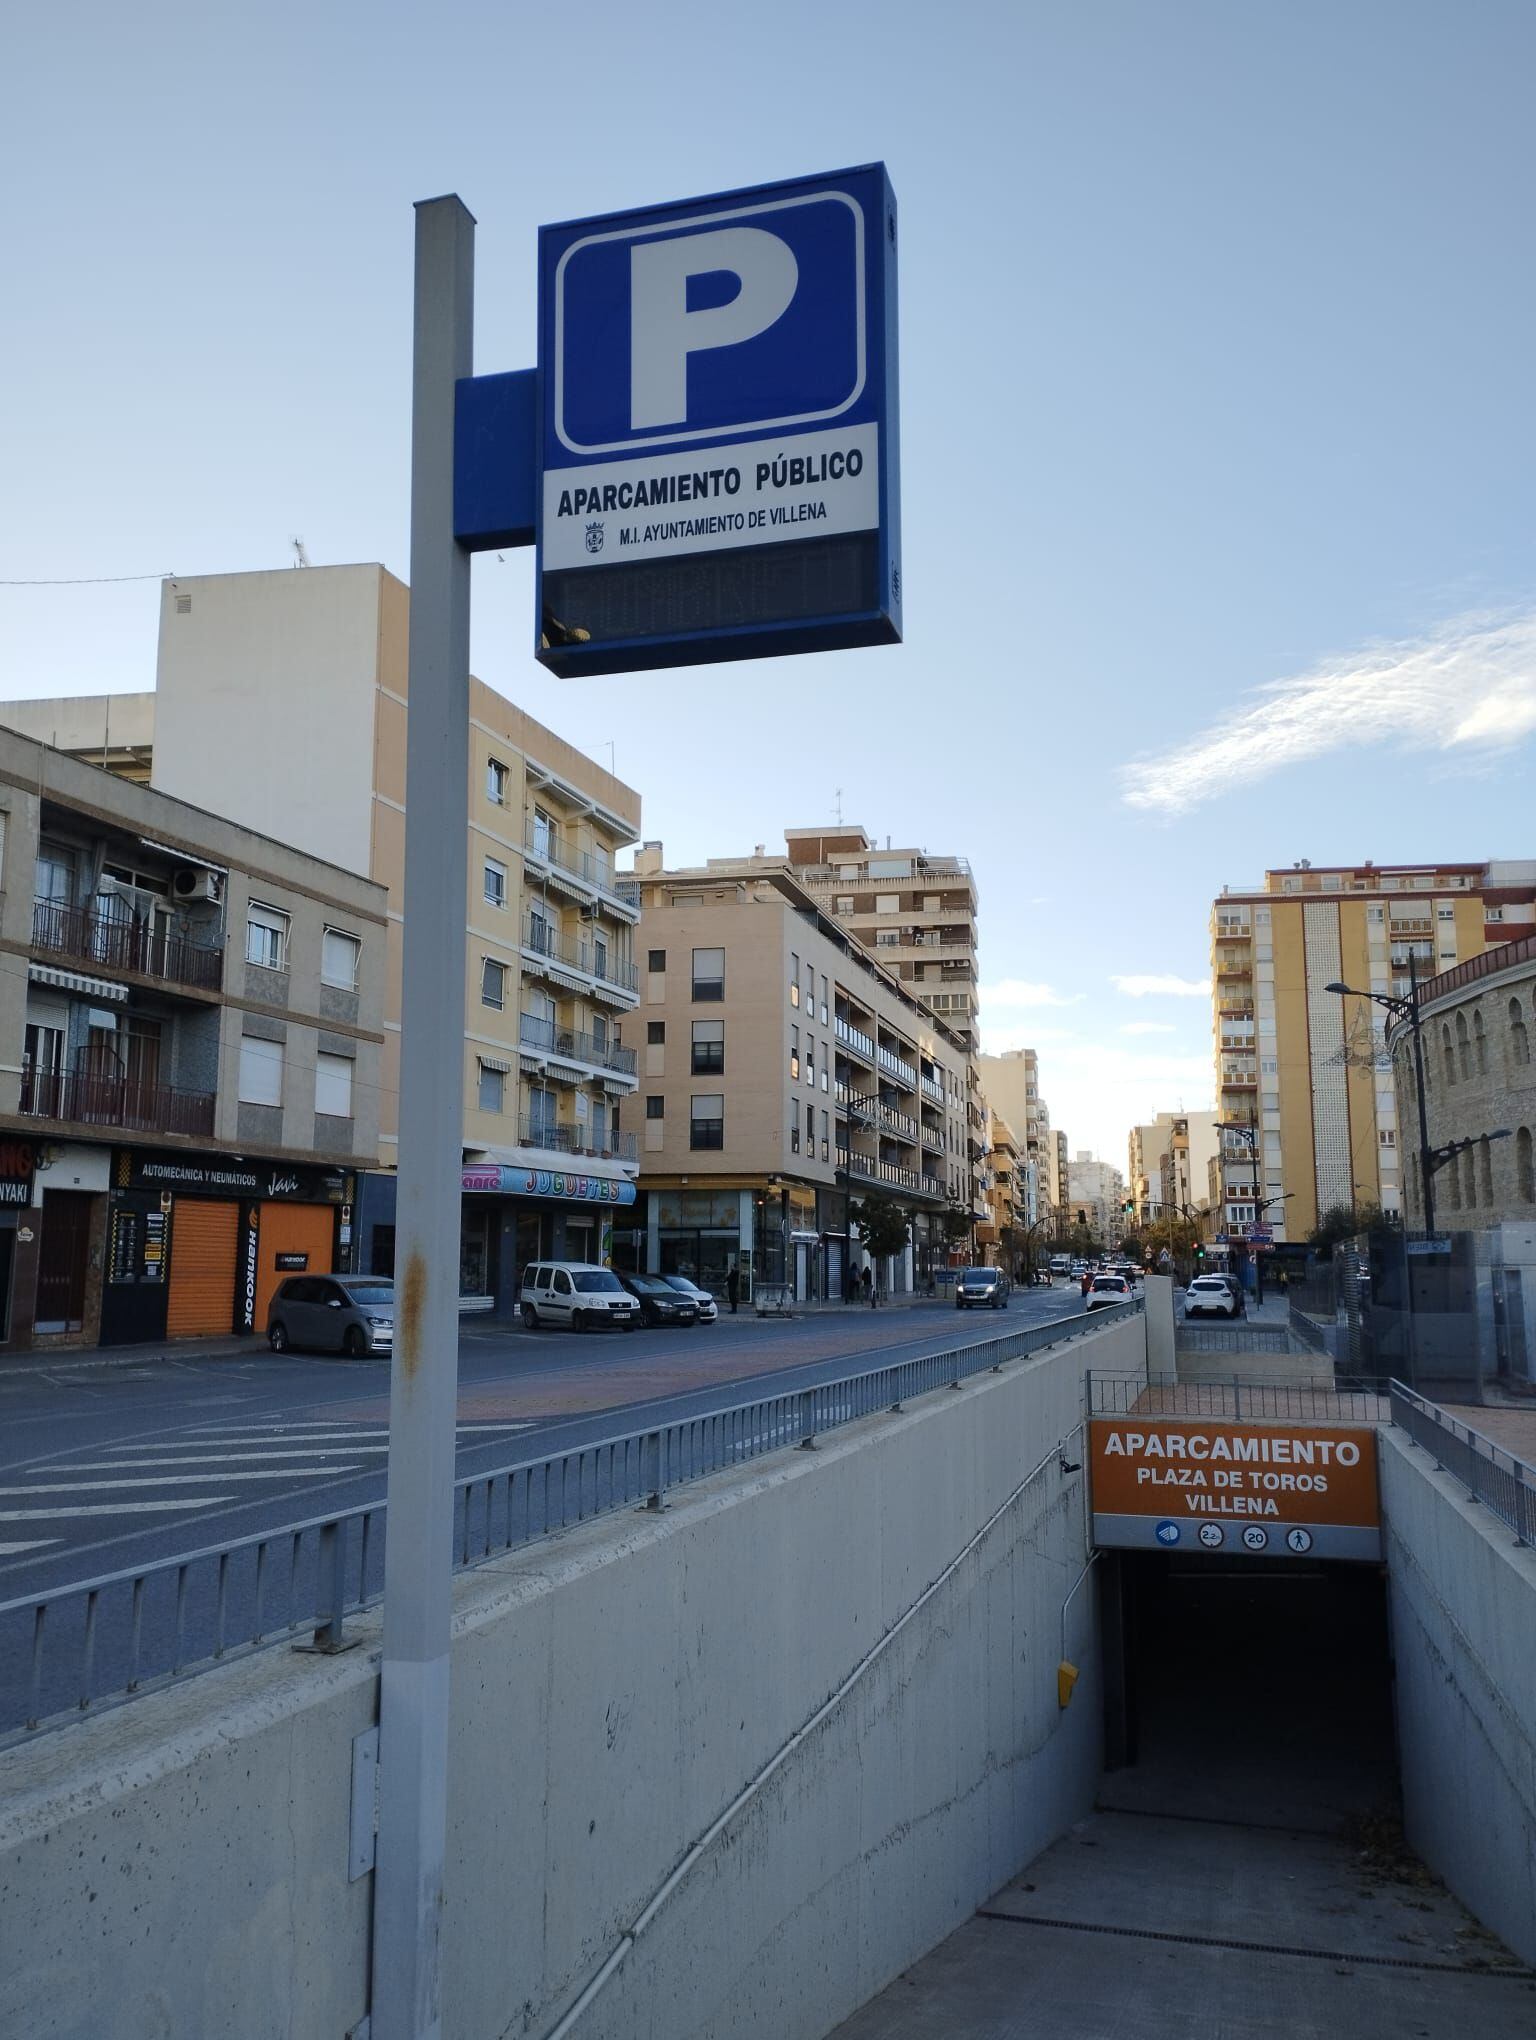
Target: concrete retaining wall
(179, 1868)
(1463, 1599)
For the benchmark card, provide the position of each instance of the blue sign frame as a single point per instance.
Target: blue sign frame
(730, 361)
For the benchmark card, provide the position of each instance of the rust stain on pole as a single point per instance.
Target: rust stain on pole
(413, 1299)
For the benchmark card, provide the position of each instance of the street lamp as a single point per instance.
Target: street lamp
(1269, 1204)
(1408, 1009)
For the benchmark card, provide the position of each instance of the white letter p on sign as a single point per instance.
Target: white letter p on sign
(662, 330)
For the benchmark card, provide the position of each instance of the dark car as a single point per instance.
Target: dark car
(976, 1286)
(660, 1303)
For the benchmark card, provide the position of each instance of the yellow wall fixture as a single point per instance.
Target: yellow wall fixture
(1066, 1679)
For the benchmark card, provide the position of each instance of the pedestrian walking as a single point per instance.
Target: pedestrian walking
(733, 1288)
(869, 1288)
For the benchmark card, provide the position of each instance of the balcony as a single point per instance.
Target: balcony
(854, 1104)
(585, 873)
(893, 1066)
(897, 1123)
(547, 1037)
(933, 1090)
(82, 1097)
(854, 1040)
(933, 1137)
(110, 943)
(576, 1140)
(545, 945)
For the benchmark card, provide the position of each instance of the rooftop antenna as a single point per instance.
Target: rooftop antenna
(838, 796)
(300, 557)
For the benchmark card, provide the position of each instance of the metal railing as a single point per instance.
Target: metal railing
(854, 1038)
(547, 1037)
(1490, 1474)
(894, 1066)
(1232, 1337)
(101, 1641)
(575, 1140)
(89, 1097)
(1328, 1399)
(113, 943)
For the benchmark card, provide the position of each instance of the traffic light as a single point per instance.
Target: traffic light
(1199, 1253)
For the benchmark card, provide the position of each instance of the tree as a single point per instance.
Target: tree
(1341, 1222)
(882, 1225)
(957, 1223)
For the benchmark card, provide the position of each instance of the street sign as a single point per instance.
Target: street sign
(1432, 1243)
(717, 428)
(1228, 1483)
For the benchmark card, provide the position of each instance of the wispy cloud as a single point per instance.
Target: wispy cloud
(1165, 987)
(1013, 993)
(1468, 686)
(1146, 1027)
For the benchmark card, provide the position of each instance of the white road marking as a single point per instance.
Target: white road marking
(85, 1487)
(31, 1544)
(110, 1509)
(214, 1458)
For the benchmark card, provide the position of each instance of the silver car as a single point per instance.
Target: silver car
(352, 1314)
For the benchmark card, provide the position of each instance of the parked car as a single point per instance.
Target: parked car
(975, 1286)
(709, 1310)
(660, 1303)
(575, 1293)
(1212, 1296)
(1107, 1289)
(352, 1314)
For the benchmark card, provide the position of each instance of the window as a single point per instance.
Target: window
(1463, 1048)
(543, 1115)
(708, 1047)
(794, 1126)
(810, 1129)
(656, 959)
(1479, 1043)
(600, 956)
(826, 1150)
(541, 834)
(491, 1093)
(794, 1054)
(708, 975)
(266, 937)
(794, 980)
(706, 1123)
(655, 1105)
(261, 1071)
(333, 1085)
(823, 1002)
(339, 955)
(1449, 1053)
(493, 983)
(887, 903)
(1519, 1038)
(496, 781)
(495, 883)
(54, 879)
(810, 1060)
(655, 1033)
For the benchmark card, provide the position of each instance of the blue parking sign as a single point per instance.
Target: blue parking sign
(717, 428)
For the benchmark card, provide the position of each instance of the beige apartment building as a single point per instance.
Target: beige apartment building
(191, 1054)
(1097, 1190)
(1170, 1164)
(1005, 1235)
(281, 701)
(1011, 1084)
(1304, 1073)
(783, 1072)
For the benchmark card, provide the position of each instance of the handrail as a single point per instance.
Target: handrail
(1489, 1473)
(172, 1618)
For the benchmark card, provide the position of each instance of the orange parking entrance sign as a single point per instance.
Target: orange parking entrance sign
(1292, 1490)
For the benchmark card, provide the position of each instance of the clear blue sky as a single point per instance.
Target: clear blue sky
(1217, 328)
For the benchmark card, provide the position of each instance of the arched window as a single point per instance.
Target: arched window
(1485, 1170)
(1453, 1182)
(1450, 1054)
(1479, 1042)
(1523, 1166)
(1469, 1178)
(1463, 1047)
(1519, 1039)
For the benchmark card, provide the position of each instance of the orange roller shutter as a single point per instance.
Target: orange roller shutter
(204, 1237)
(307, 1229)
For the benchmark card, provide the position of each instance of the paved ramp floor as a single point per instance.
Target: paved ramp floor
(1141, 1927)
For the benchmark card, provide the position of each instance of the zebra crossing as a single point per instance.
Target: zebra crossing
(190, 1471)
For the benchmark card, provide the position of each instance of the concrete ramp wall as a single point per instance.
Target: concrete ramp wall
(1463, 1600)
(179, 1868)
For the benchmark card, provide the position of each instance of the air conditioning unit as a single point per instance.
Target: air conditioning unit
(196, 883)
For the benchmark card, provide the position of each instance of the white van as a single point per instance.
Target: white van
(575, 1293)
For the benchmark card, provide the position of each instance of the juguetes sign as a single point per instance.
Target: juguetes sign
(1291, 1490)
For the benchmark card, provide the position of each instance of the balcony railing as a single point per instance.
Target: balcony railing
(859, 1104)
(576, 1140)
(546, 941)
(107, 1098)
(547, 1037)
(933, 1137)
(112, 944)
(933, 1089)
(897, 1123)
(893, 1066)
(585, 865)
(856, 1041)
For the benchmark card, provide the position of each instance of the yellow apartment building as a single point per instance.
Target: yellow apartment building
(1304, 1072)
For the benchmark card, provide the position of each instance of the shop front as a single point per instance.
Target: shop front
(196, 1245)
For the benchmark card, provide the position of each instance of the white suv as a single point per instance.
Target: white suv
(1211, 1296)
(576, 1294)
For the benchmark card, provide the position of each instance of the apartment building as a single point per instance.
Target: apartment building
(1304, 1074)
(1061, 1188)
(1011, 1083)
(1012, 1194)
(191, 1054)
(281, 700)
(916, 911)
(1170, 1163)
(784, 1072)
(1097, 1190)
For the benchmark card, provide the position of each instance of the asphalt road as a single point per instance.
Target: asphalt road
(104, 1467)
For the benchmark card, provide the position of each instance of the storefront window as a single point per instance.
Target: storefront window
(474, 1256)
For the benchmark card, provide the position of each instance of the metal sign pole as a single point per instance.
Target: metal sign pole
(413, 1692)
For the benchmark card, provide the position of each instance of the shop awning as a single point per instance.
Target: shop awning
(75, 981)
